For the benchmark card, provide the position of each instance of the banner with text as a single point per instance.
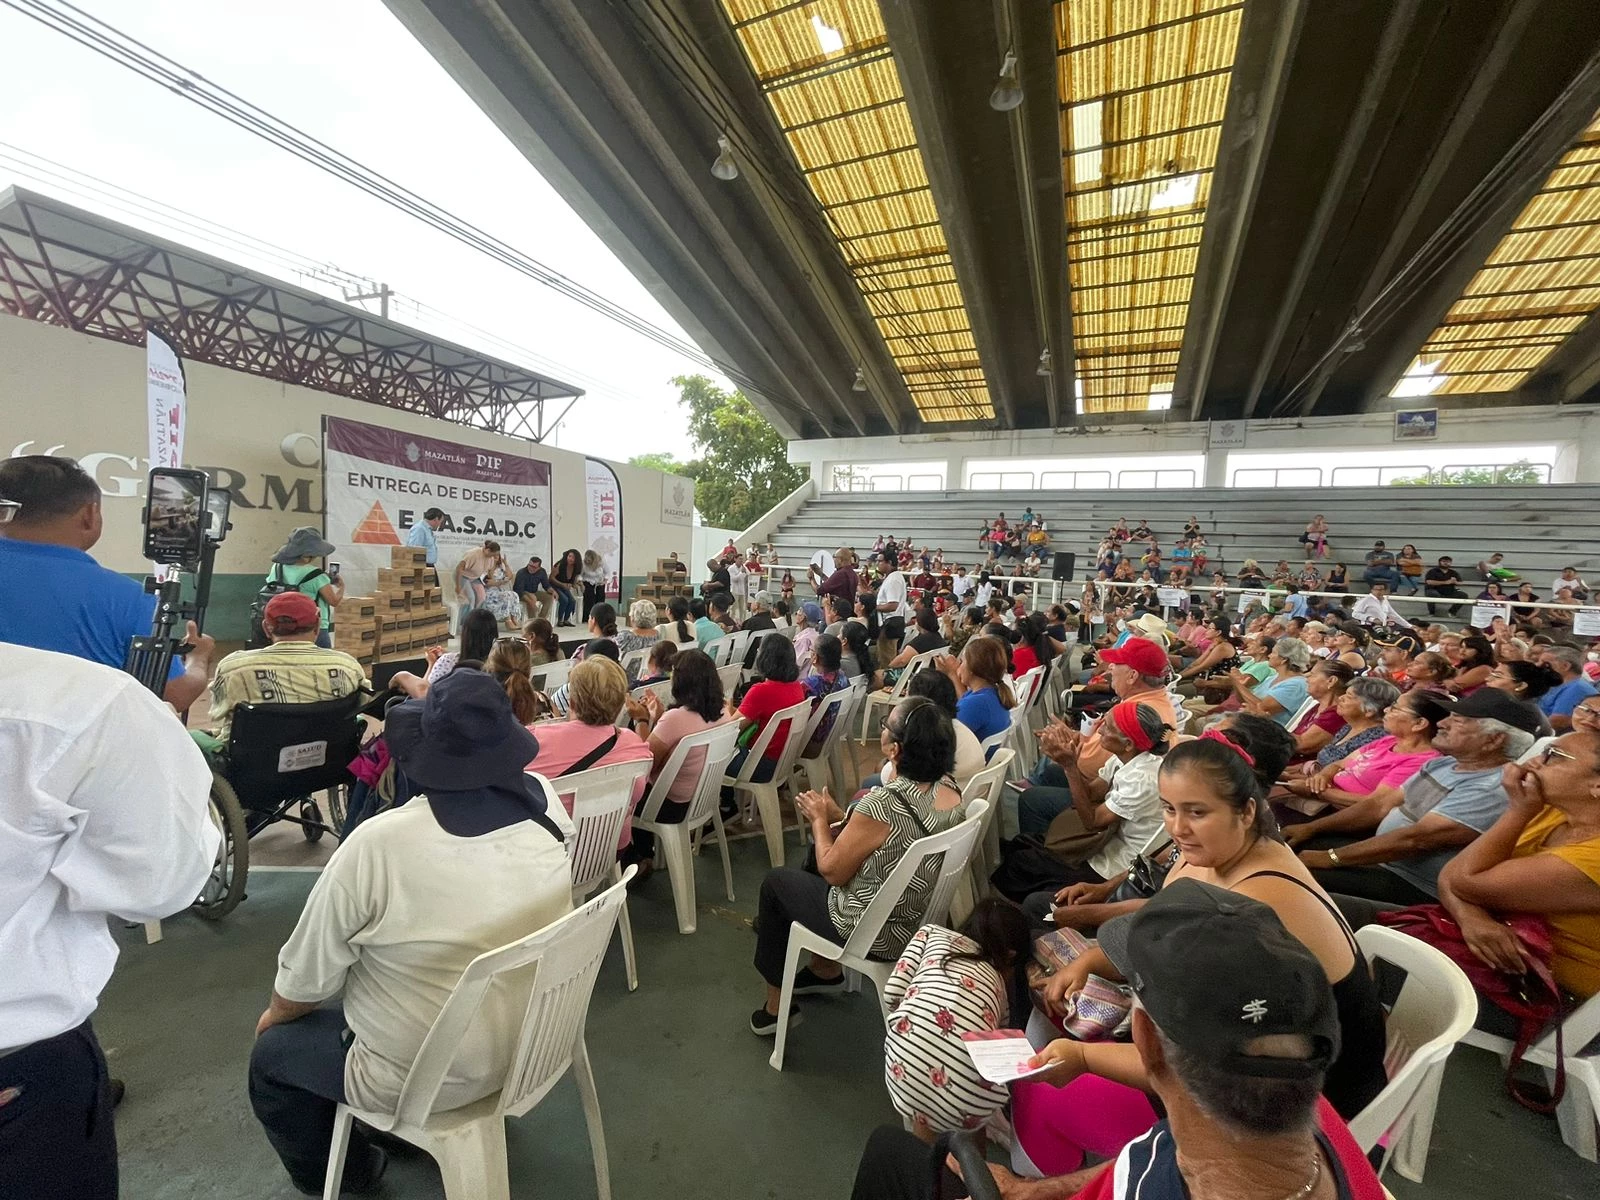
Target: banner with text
(166, 408)
(604, 495)
(378, 482)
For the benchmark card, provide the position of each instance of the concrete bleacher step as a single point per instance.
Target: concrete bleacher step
(1540, 528)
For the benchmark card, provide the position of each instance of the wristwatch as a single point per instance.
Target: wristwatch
(1333, 857)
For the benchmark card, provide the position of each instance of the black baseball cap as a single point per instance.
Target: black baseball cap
(1216, 970)
(1494, 705)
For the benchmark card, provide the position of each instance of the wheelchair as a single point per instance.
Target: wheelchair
(278, 757)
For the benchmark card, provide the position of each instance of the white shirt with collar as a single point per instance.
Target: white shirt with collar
(960, 585)
(892, 590)
(1370, 610)
(103, 812)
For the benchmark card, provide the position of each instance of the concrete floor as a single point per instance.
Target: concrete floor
(691, 1108)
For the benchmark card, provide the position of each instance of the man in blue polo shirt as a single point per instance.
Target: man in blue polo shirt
(421, 536)
(1575, 688)
(53, 596)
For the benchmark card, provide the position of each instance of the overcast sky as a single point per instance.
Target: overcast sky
(348, 73)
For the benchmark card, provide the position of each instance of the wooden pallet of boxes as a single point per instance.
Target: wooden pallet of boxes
(402, 618)
(663, 583)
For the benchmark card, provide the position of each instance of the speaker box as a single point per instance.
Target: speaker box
(1062, 571)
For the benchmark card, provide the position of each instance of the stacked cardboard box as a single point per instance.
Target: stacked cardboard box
(401, 619)
(663, 583)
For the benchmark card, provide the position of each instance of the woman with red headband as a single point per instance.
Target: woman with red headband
(1129, 812)
(1215, 811)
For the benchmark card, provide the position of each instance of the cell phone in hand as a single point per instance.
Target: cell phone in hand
(333, 570)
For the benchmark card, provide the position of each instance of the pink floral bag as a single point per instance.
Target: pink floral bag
(1096, 1013)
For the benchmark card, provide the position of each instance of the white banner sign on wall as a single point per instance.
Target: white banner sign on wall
(677, 500)
(1586, 622)
(604, 507)
(378, 482)
(1246, 599)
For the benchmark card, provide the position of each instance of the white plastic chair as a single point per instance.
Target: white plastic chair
(765, 795)
(955, 845)
(824, 768)
(1434, 1010)
(1020, 734)
(469, 1143)
(602, 802)
(887, 698)
(731, 648)
(635, 661)
(1300, 714)
(1577, 1111)
(549, 676)
(985, 786)
(672, 837)
(729, 675)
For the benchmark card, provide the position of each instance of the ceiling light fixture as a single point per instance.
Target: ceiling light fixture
(723, 166)
(1044, 367)
(860, 383)
(1007, 93)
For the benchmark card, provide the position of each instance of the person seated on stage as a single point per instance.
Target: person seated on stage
(534, 589)
(1364, 786)
(408, 900)
(292, 670)
(1442, 808)
(1242, 1100)
(856, 855)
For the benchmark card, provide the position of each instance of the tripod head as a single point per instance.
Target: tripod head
(185, 520)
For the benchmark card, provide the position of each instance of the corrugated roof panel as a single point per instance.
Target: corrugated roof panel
(1537, 287)
(1143, 86)
(827, 71)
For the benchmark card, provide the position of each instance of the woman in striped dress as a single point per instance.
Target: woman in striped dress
(944, 985)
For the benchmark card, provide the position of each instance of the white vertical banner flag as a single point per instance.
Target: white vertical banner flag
(604, 495)
(166, 407)
(165, 399)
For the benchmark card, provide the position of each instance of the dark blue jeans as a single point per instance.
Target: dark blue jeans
(566, 605)
(296, 1085)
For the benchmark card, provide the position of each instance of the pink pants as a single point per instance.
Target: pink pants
(1056, 1126)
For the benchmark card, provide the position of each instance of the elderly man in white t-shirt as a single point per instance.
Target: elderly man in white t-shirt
(472, 863)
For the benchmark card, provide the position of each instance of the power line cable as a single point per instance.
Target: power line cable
(112, 43)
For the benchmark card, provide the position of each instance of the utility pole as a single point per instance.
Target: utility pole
(381, 296)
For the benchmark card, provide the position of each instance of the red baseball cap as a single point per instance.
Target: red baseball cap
(1143, 655)
(291, 612)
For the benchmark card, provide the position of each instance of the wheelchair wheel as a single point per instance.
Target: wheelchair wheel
(223, 891)
(310, 812)
(338, 807)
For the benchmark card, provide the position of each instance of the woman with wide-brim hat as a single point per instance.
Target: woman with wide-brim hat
(298, 563)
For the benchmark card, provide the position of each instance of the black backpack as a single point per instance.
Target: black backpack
(258, 607)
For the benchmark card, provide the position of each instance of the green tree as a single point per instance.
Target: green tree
(659, 461)
(743, 467)
(1520, 472)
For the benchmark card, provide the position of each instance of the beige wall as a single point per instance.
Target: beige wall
(73, 394)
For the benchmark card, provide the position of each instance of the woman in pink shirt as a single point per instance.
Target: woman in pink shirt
(589, 737)
(1365, 785)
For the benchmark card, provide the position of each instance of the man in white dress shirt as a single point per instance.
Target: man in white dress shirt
(103, 811)
(892, 590)
(1374, 609)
